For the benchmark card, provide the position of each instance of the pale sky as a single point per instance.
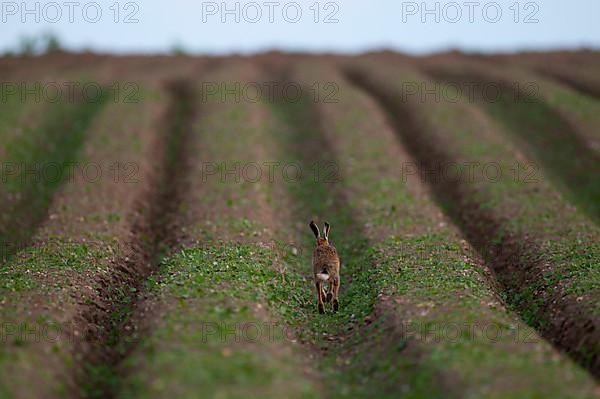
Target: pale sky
(353, 26)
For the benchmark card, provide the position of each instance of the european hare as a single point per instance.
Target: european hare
(326, 268)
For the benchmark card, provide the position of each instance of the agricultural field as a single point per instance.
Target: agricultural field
(155, 240)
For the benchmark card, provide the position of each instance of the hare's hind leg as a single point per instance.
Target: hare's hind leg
(336, 289)
(329, 292)
(320, 296)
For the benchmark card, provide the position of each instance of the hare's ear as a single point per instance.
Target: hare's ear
(314, 228)
(326, 230)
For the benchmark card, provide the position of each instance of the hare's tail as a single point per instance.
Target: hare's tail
(322, 276)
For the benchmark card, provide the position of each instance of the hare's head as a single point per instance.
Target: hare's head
(320, 240)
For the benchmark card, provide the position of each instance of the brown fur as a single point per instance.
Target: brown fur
(325, 262)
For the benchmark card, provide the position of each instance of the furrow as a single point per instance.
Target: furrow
(530, 248)
(153, 235)
(36, 156)
(431, 279)
(48, 285)
(218, 328)
(540, 117)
